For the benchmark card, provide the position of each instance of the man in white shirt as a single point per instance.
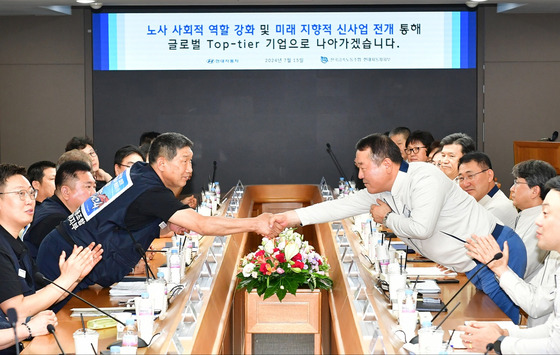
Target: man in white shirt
(424, 208)
(528, 192)
(476, 178)
(453, 147)
(542, 339)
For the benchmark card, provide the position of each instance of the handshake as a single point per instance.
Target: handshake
(270, 225)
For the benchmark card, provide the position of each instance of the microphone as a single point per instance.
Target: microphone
(214, 172)
(39, 277)
(13, 318)
(498, 256)
(489, 347)
(554, 136)
(142, 252)
(50, 329)
(335, 161)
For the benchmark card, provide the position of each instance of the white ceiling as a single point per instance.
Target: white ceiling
(63, 7)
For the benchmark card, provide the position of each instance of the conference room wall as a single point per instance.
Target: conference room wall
(45, 84)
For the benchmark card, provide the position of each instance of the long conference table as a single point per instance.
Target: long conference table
(207, 316)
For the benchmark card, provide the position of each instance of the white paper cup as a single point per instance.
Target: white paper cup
(122, 316)
(397, 281)
(430, 340)
(83, 342)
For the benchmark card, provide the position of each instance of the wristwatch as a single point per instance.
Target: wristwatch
(384, 221)
(498, 345)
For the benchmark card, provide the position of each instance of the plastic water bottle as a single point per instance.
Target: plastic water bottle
(161, 293)
(407, 314)
(145, 318)
(130, 338)
(175, 267)
(115, 349)
(218, 191)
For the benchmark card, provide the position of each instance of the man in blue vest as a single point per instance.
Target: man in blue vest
(18, 289)
(128, 213)
(74, 184)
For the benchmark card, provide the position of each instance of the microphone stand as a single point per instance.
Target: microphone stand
(214, 172)
(50, 329)
(496, 257)
(13, 318)
(335, 161)
(141, 342)
(142, 253)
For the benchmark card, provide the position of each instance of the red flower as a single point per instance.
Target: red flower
(260, 252)
(297, 257)
(319, 262)
(275, 250)
(298, 264)
(281, 257)
(263, 268)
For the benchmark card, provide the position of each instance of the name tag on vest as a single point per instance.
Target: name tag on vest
(22, 273)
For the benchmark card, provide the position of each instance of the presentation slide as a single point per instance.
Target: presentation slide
(284, 40)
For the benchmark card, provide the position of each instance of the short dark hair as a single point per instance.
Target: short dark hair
(423, 137)
(381, 147)
(148, 137)
(167, 144)
(126, 151)
(68, 170)
(78, 143)
(535, 172)
(405, 131)
(467, 143)
(553, 184)
(481, 158)
(9, 170)
(36, 171)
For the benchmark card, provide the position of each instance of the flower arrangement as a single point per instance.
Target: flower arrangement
(283, 264)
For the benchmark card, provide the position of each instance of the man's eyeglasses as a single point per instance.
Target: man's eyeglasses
(516, 182)
(23, 193)
(469, 177)
(125, 165)
(414, 150)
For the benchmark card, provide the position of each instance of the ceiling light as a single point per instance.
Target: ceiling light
(85, 1)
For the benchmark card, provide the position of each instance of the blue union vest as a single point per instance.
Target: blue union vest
(101, 219)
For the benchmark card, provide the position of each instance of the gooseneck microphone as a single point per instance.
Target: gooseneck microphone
(50, 329)
(214, 172)
(498, 256)
(40, 278)
(142, 252)
(335, 161)
(13, 318)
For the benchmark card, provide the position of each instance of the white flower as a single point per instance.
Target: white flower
(282, 244)
(254, 274)
(248, 269)
(269, 246)
(291, 250)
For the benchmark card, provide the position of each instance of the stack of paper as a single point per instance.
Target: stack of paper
(129, 289)
(428, 271)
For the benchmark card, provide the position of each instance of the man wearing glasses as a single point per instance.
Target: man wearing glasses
(476, 177)
(527, 193)
(126, 156)
(18, 289)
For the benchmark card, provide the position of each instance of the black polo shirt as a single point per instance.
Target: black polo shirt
(9, 278)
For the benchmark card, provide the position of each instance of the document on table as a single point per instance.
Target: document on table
(128, 289)
(92, 312)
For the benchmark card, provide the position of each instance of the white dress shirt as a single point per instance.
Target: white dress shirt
(500, 205)
(536, 298)
(542, 339)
